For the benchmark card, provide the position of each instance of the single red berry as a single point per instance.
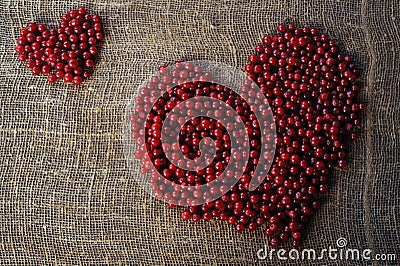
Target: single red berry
(96, 18)
(282, 28)
(89, 63)
(46, 69)
(52, 78)
(73, 63)
(30, 64)
(22, 57)
(99, 36)
(36, 70)
(77, 80)
(68, 77)
(31, 27)
(59, 74)
(82, 11)
(73, 13)
(93, 50)
(97, 27)
(20, 49)
(41, 27)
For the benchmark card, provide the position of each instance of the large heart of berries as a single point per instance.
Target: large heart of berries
(311, 90)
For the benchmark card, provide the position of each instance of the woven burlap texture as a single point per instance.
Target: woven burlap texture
(66, 194)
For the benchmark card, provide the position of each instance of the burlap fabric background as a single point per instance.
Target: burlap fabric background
(66, 195)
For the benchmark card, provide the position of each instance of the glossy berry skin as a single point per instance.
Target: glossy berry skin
(66, 50)
(52, 78)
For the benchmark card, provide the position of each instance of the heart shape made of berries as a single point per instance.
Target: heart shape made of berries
(311, 89)
(67, 53)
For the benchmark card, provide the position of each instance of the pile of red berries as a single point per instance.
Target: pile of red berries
(193, 131)
(311, 90)
(67, 53)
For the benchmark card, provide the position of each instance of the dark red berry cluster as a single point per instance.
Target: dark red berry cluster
(311, 90)
(236, 206)
(193, 131)
(68, 52)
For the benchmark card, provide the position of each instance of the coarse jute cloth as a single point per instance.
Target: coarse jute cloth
(67, 196)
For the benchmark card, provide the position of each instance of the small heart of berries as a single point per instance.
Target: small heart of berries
(67, 53)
